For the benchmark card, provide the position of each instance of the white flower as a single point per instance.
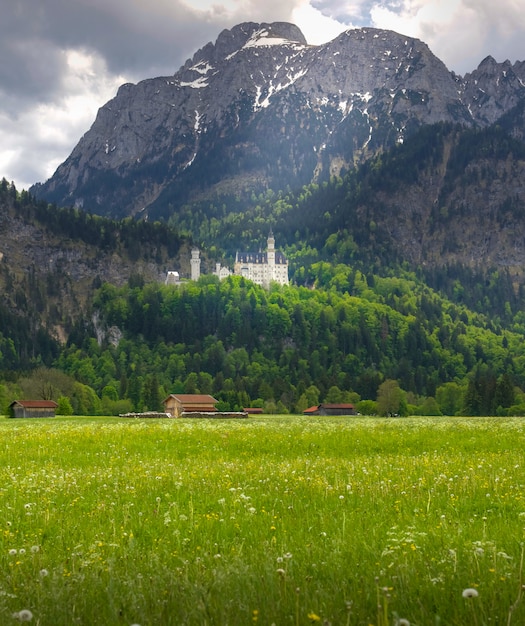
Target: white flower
(24, 615)
(35, 549)
(22, 551)
(470, 593)
(403, 622)
(12, 552)
(44, 573)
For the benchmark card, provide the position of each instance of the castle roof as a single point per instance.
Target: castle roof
(260, 257)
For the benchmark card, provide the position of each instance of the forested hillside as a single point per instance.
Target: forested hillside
(294, 346)
(387, 292)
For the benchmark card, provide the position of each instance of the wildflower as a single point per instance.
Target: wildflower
(470, 593)
(22, 551)
(281, 572)
(313, 617)
(403, 622)
(44, 573)
(12, 552)
(35, 549)
(24, 615)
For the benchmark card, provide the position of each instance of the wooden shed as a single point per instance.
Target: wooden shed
(337, 409)
(331, 409)
(32, 408)
(177, 404)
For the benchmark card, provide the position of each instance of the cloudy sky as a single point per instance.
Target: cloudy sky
(63, 59)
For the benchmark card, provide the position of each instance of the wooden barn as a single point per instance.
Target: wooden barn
(253, 410)
(177, 404)
(331, 409)
(32, 408)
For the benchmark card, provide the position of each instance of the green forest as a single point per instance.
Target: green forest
(358, 323)
(283, 350)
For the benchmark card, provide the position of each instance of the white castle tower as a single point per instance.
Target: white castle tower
(195, 264)
(271, 254)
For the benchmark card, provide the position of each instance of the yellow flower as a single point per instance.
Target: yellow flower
(313, 617)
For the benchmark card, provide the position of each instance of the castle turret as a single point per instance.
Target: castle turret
(195, 264)
(271, 249)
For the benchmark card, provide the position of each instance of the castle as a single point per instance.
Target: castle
(262, 268)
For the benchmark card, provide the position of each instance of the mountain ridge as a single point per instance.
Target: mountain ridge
(259, 107)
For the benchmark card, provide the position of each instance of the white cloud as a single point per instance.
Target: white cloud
(316, 27)
(460, 32)
(39, 138)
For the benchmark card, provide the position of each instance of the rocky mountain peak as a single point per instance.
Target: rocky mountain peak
(493, 89)
(246, 35)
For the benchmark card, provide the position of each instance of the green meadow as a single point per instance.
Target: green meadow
(270, 520)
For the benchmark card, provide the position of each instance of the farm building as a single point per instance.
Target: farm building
(177, 404)
(32, 408)
(331, 409)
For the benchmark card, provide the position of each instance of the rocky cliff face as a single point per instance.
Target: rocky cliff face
(261, 108)
(493, 89)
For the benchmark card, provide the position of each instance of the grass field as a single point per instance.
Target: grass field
(271, 520)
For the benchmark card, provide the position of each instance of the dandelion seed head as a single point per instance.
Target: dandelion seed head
(35, 549)
(24, 615)
(13, 552)
(470, 593)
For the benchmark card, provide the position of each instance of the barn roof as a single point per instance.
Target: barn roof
(312, 409)
(337, 406)
(36, 404)
(192, 398)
